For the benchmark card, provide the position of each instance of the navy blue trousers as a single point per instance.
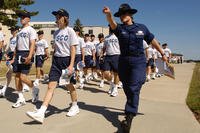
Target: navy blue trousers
(132, 73)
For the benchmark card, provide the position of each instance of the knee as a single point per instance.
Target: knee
(106, 73)
(22, 77)
(70, 87)
(8, 75)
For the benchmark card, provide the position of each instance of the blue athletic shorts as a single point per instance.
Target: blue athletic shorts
(21, 68)
(111, 63)
(99, 63)
(58, 64)
(88, 61)
(39, 60)
(78, 58)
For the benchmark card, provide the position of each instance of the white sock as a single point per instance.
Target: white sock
(111, 83)
(4, 88)
(20, 94)
(148, 76)
(114, 85)
(74, 103)
(153, 75)
(81, 80)
(42, 109)
(37, 80)
(112, 78)
(25, 85)
(81, 74)
(89, 74)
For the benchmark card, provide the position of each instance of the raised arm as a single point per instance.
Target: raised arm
(109, 17)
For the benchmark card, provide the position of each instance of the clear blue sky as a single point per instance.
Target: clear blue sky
(176, 22)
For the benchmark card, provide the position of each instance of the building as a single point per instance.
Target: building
(96, 30)
(177, 58)
(50, 27)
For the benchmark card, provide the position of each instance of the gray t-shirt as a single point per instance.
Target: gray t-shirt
(89, 48)
(41, 45)
(81, 44)
(111, 45)
(99, 48)
(24, 37)
(13, 44)
(63, 40)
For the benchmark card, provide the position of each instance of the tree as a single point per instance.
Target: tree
(8, 9)
(79, 25)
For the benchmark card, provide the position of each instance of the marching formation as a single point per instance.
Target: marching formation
(127, 58)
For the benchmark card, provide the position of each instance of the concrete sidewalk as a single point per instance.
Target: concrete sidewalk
(162, 108)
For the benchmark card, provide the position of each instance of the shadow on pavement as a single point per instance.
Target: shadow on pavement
(10, 95)
(111, 116)
(93, 90)
(50, 111)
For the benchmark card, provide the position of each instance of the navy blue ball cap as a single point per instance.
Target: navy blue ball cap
(14, 28)
(164, 44)
(101, 35)
(40, 32)
(125, 8)
(23, 14)
(87, 35)
(61, 12)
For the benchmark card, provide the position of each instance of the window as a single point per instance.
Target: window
(90, 31)
(52, 32)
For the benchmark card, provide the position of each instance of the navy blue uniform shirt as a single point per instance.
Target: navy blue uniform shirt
(131, 38)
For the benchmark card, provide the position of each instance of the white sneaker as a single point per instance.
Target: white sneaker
(2, 93)
(91, 78)
(95, 76)
(88, 77)
(74, 110)
(120, 85)
(46, 78)
(20, 102)
(153, 76)
(101, 85)
(114, 92)
(36, 83)
(35, 94)
(25, 89)
(36, 115)
(148, 78)
(81, 86)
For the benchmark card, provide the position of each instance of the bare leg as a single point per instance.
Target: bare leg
(9, 77)
(73, 93)
(49, 93)
(38, 72)
(24, 79)
(116, 78)
(18, 82)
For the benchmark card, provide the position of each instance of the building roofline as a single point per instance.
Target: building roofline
(47, 22)
(95, 26)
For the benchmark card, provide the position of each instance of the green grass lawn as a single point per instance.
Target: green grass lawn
(46, 68)
(193, 98)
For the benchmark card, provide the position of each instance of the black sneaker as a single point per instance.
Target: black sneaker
(126, 124)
